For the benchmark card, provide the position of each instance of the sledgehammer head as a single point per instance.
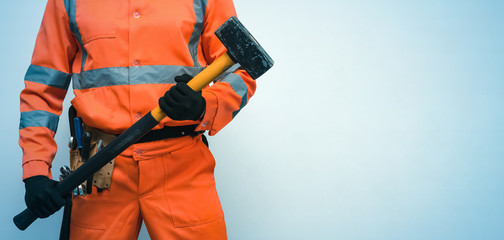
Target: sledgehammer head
(243, 48)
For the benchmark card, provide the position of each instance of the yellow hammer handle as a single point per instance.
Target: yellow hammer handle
(205, 77)
(211, 72)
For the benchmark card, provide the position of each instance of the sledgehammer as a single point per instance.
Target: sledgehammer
(241, 48)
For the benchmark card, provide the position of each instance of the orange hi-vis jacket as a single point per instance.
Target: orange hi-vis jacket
(122, 56)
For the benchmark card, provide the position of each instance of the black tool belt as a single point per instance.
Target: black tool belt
(169, 132)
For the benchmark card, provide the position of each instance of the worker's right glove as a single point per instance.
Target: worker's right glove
(42, 197)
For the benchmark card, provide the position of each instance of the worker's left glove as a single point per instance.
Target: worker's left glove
(181, 102)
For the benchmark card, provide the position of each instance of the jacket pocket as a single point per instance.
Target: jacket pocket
(100, 36)
(97, 19)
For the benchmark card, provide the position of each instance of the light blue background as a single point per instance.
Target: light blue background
(380, 120)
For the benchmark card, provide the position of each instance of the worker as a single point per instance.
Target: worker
(124, 58)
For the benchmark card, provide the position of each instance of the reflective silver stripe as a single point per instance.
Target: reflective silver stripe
(199, 11)
(71, 9)
(39, 118)
(230, 70)
(48, 76)
(114, 76)
(239, 87)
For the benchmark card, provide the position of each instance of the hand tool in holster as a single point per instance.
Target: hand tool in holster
(78, 137)
(86, 148)
(78, 132)
(242, 48)
(72, 113)
(99, 146)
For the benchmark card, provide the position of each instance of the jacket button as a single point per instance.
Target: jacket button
(136, 14)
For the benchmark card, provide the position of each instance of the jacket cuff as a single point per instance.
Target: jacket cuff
(210, 112)
(36, 167)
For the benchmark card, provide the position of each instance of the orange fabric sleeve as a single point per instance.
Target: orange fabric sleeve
(227, 96)
(46, 84)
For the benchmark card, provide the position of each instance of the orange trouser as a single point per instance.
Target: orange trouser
(168, 183)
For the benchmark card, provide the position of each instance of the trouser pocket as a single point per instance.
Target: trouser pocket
(190, 185)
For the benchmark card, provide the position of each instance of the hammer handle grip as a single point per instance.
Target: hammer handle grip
(205, 77)
(24, 219)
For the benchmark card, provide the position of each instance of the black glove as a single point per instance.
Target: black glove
(42, 197)
(181, 102)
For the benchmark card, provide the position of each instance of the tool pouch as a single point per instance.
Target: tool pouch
(103, 177)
